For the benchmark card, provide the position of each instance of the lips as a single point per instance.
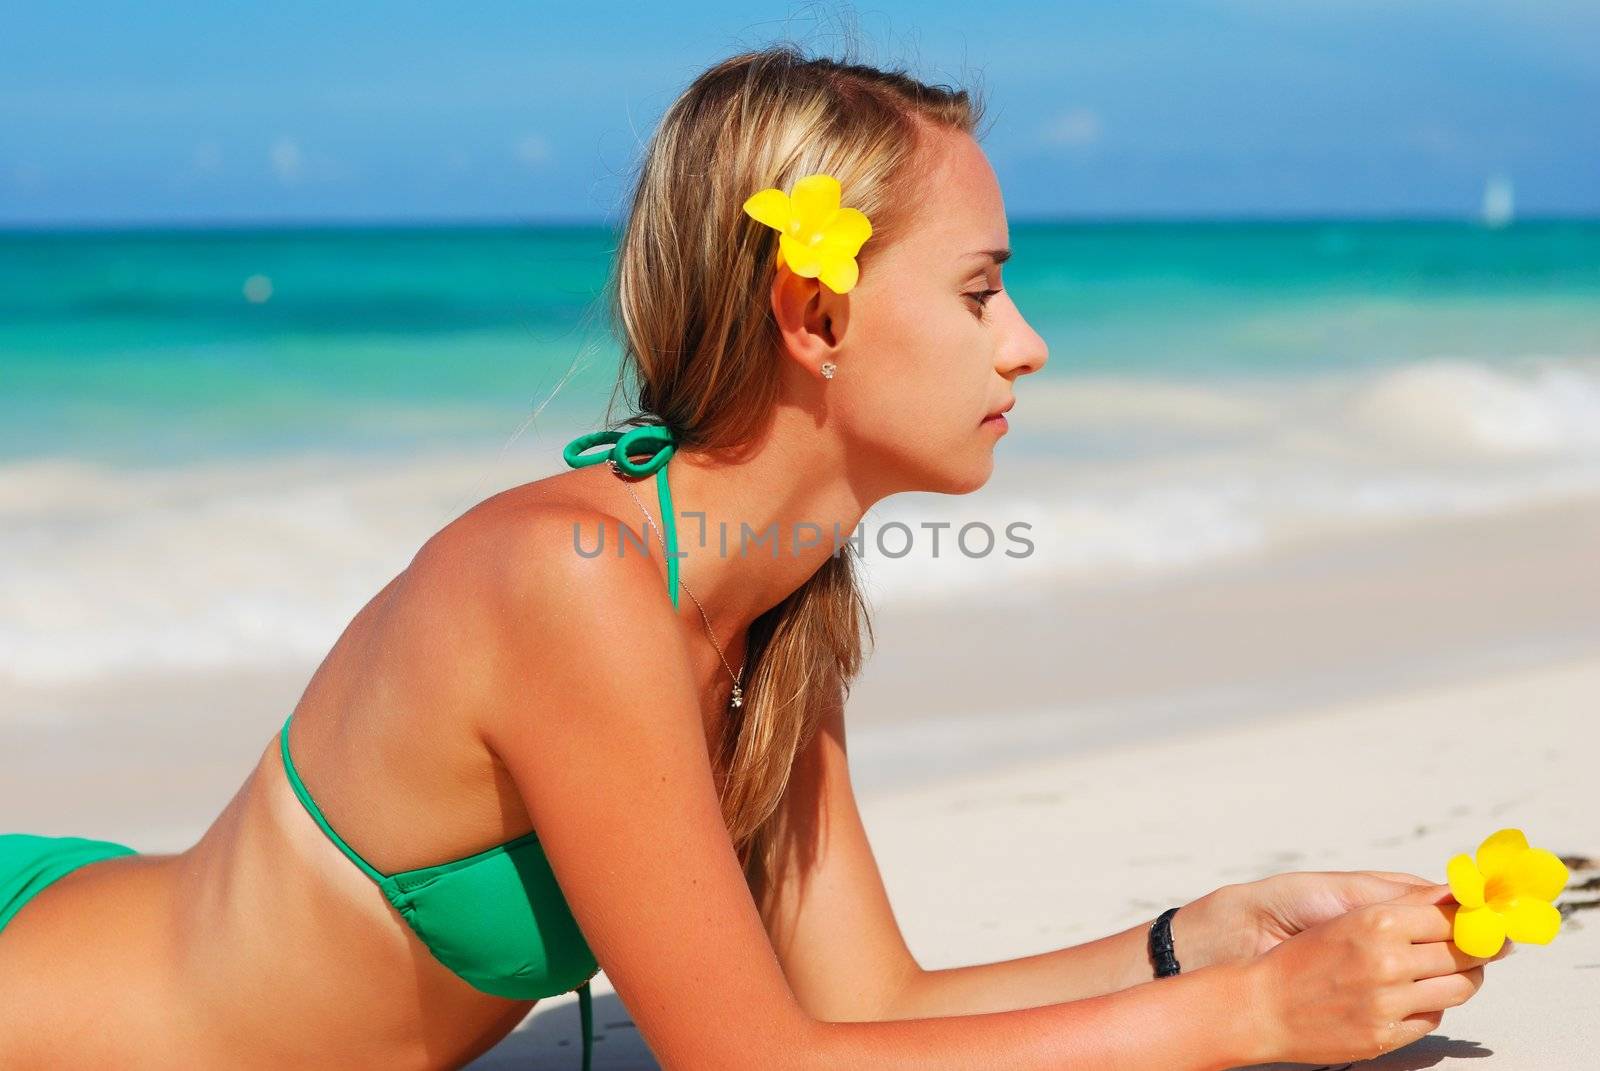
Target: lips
(1003, 409)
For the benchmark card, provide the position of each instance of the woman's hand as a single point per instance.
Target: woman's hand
(1240, 922)
(1363, 983)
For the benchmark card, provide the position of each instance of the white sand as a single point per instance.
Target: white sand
(1074, 848)
(1380, 701)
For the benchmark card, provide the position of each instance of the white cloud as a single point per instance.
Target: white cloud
(533, 150)
(1075, 128)
(288, 162)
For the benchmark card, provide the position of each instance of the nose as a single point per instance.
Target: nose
(1024, 349)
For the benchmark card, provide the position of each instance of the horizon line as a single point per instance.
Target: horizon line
(356, 223)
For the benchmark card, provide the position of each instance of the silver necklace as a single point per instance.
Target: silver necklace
(738, 690)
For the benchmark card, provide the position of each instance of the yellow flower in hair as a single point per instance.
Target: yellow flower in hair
(1508, 892)
(816, 238)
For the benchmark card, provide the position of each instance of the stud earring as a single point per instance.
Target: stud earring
(827, 369)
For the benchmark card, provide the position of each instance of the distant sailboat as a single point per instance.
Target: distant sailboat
(1498, 202)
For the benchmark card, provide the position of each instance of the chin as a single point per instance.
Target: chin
(944, 467)
(967, 479)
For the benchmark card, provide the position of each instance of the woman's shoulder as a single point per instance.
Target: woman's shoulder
(541, 536)
(521, 571)
(510, 615)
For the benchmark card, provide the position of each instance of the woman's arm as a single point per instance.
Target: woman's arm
(1101, 966)
(823, 901)
(600, 732)
(829, 918)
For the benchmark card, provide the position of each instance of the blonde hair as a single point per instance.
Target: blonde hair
(690, 297)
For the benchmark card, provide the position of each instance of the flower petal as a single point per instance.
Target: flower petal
(839, 274)
(1466, 883)
(1479, 931)
(1497, 851)
(848, 230)
(770, 206)
(814, 201)
(831, 247)
(802, 259)
(1532, 920)
(1538, 873)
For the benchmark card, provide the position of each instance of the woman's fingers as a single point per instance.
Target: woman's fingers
(1426, 913)
(1435, 893)
(1416, 918)
(1421, 1024)
(1402, 878)
(1445, 991)
(1436, 958)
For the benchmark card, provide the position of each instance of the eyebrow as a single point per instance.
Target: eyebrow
(1000, 256)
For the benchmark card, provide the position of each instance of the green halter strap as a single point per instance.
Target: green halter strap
(658, 442)
(586, 1018)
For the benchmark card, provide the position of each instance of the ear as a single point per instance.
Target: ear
(811, 319)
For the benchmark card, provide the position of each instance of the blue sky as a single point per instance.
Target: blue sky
(189, 113)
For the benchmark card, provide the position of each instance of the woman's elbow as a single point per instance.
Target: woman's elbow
(883, 996)
(789, 1041)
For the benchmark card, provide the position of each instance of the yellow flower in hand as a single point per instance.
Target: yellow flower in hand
(816, 238)
(1506, 893)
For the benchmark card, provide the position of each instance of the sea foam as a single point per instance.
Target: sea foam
(263, 561)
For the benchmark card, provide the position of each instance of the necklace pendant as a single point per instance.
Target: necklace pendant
(738, 696)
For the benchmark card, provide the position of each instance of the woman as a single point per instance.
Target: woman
(523, 760)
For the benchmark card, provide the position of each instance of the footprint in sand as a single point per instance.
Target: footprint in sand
(1588, 868)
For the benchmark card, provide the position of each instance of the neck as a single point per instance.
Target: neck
(756, 522)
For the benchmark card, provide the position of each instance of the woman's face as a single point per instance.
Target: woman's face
(931, 341)
(927, 343)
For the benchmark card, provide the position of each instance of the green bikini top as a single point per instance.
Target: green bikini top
(497, 918)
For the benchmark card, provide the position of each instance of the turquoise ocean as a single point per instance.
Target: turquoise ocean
(215, 445)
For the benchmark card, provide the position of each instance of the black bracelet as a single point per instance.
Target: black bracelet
(1161, 954)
